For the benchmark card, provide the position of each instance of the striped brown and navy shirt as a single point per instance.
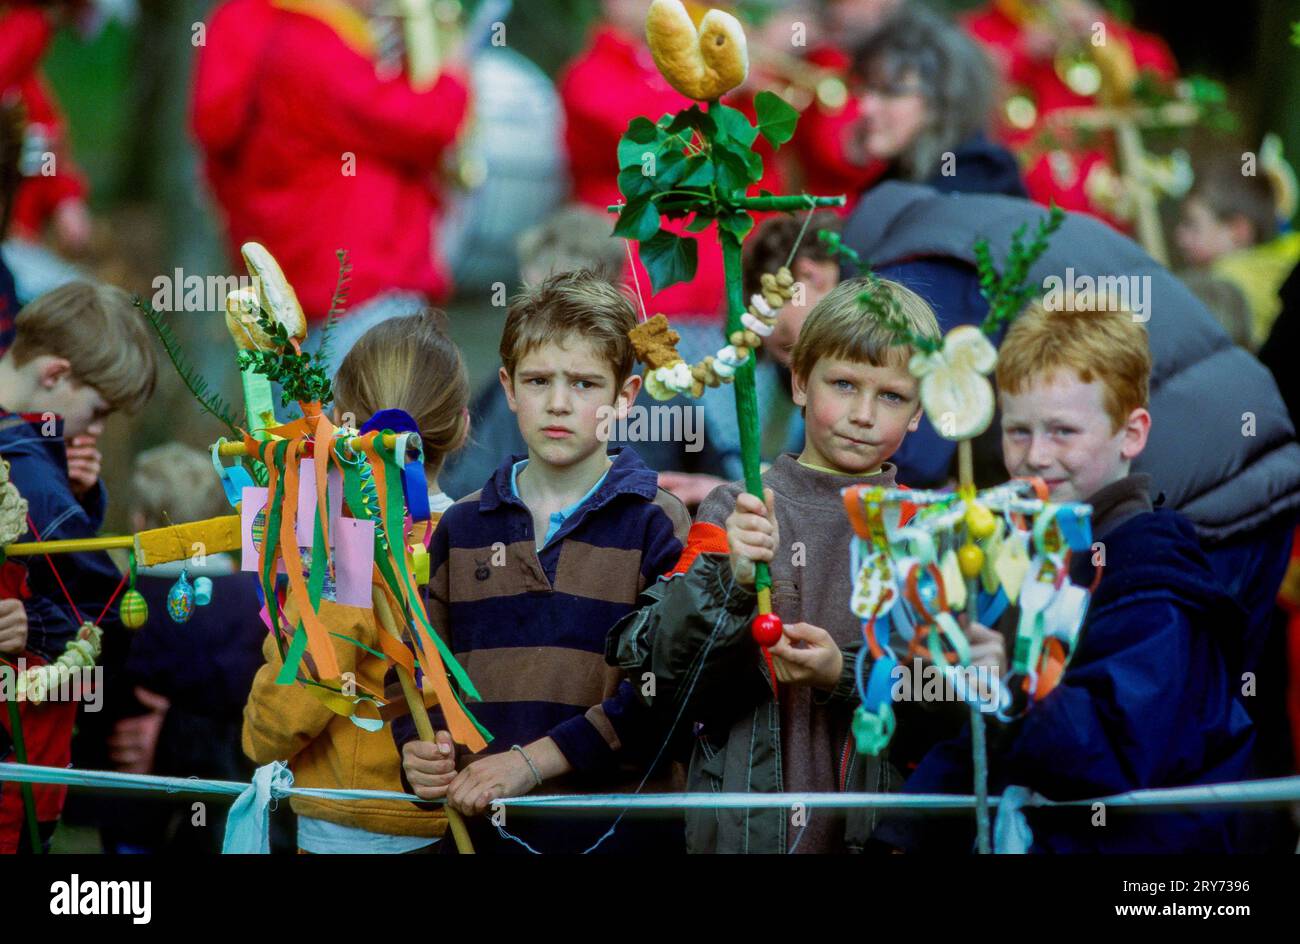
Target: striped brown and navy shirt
(529, 625)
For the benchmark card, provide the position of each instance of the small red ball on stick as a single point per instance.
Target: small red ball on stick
(767, 629)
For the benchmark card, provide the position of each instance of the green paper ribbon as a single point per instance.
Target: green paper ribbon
(362, 499)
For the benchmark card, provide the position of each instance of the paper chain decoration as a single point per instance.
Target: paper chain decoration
(909, 581)
(914, 578)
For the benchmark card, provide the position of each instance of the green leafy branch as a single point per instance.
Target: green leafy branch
(1007, 293)
(209, 400)
(301, 376)
(338, 304)
(834, 243)
(1208, 95)
(696, 163)
(884, 307)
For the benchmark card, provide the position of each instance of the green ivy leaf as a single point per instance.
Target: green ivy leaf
(776, 118)
(738, 223)
(670, 166)
(642, 135)
(700, 223)
(633, 184)
(638, 220)
(733, 125)
(693, 119)
(733, 170)
(698, 172)
(669, 259)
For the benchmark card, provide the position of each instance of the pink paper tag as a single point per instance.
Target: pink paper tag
(307, 500)
(353, 540)
(354, 560)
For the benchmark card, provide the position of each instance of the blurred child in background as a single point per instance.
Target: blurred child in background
(1229, 228)
(174, 692)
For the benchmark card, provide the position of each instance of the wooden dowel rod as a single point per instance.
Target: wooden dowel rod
(237, 448)
(70, 546)
(423, 726)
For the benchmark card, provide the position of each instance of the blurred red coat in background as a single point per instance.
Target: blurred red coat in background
(309, 151)
(1061, 175)
(822, 139)
(25, 34)
(612, 81)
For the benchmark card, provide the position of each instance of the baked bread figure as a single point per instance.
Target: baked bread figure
(704, 64)
(273, 293)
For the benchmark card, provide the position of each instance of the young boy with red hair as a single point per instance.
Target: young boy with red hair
(1150, 698)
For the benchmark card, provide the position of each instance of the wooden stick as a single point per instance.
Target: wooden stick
(965, 465)
(423, 726)
(1132, 165)
(70, 546)
(237, 448)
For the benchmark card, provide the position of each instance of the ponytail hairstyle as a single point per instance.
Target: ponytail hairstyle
(409, 363)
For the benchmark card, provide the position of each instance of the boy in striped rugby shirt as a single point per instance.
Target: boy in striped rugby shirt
(529, 573)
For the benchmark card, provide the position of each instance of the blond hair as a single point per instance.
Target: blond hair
(99, 332)
(409, 363)
(174, 483)
(841, 326)
(1108, 346)
(578, 303)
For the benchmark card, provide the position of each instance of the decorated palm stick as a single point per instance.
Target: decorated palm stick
(701, 163)
(423, 726)
(959, 401)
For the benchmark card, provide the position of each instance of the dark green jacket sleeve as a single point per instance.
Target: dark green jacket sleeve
(693, 639)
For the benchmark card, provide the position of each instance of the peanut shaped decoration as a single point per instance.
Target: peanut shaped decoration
(667, 373)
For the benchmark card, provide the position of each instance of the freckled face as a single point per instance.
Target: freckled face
(856, 414)
(1057, 428)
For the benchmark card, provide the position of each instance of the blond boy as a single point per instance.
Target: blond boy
(859, 402)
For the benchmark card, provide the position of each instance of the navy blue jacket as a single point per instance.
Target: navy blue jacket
(38, 465)
(981, 166)
(1149, 700)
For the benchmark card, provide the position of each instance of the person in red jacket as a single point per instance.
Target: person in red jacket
(828, 162)
(52, 188)
(1024, 38)
(308, 150)
(610, 82)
